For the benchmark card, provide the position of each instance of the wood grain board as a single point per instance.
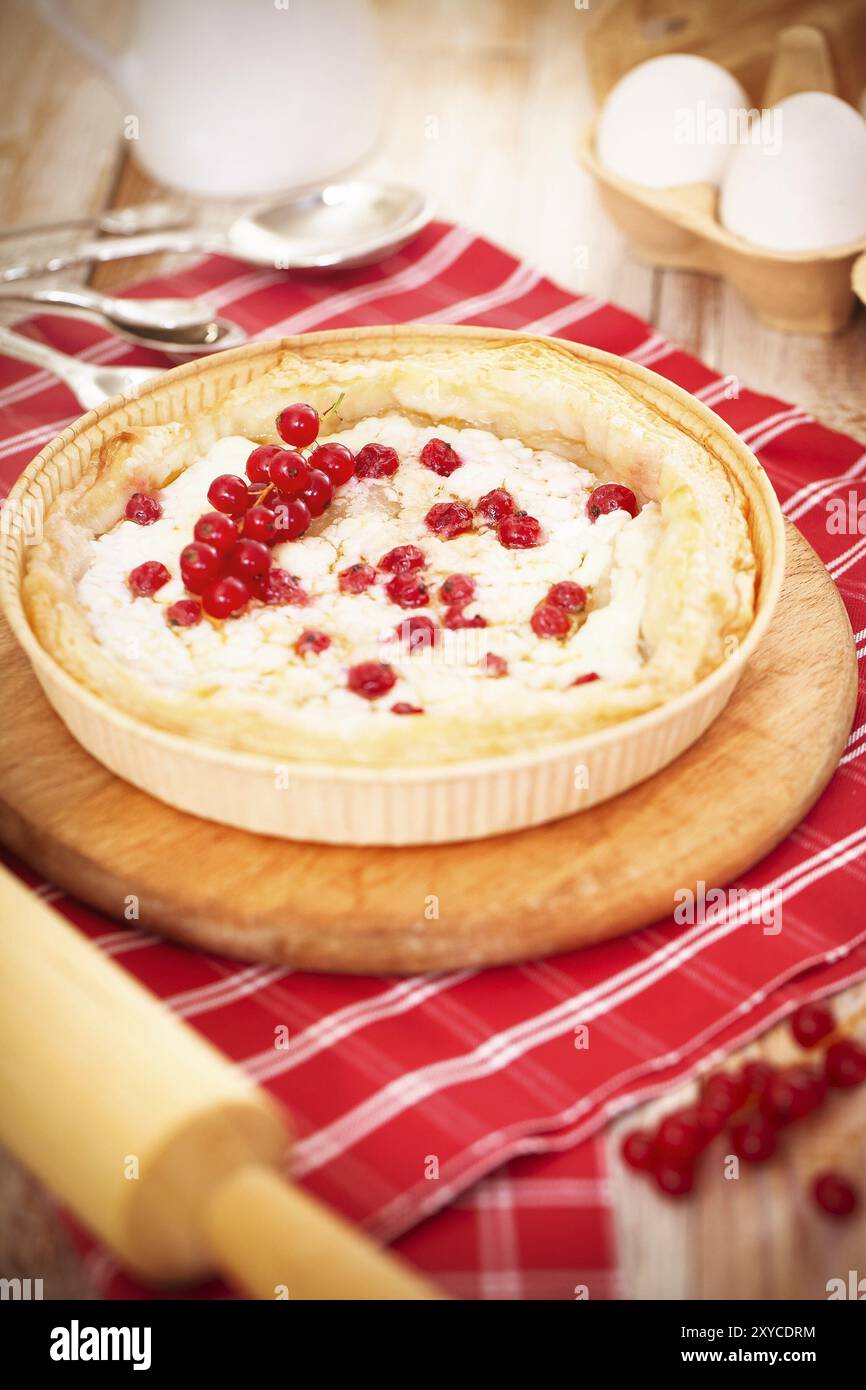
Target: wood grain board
(715, 811)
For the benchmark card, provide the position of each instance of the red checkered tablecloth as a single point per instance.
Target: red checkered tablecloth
(453, 1114)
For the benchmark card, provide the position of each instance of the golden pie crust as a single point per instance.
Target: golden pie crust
(701, 587)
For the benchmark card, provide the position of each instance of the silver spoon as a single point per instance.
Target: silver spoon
(173, 325)
(344, 224)
(88, 382)
(142, 217)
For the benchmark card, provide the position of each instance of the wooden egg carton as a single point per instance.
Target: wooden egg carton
(798, 291)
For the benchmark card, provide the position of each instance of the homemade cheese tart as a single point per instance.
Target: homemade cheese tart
(399, 558)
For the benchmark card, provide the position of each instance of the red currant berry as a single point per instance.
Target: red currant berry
(311, 642)
(318, 492)
(217, 530)
(791, 1094)
(260, 525)
(753, 1139)
(145, 579)
(610, 497)
(811, 1023)
(298, 425)
(376, 461)
(143, 509)
(457, 588)
(250, 561)
(228, 493)
(259, 462)
(440, 458)
(726, 1091)
(495, 666)
(449, 519)
(281, 587)
(402, 559)
(845, 1064)
(675, 1180)
(550, 621)
(227, 596)
(638, 1150)
(520, 532)
(680, 1136)
(408, 590)
(495, 506)
(757, 1076)
(185, 613)
(371, 679)
(455, 617)
(403, 707)
(567, 595)
(336, 461)
(587, 678)
(356, 578)
(199, 566)
(835, 1194)
(418, 631)
(289, 472)
(293, 517)
(263, 495)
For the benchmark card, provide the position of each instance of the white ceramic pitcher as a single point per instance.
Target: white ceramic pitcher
(235, 98)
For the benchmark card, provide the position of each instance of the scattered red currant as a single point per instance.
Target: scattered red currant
(418, 631)
(495, 666)
(449, 519)
(455, 617)
(403, 707)
(568, 595)
(228, 493)
(549, 620)
(457, 588)
(371, 679)
(311, 642)
(281, 587)
(185, 613)
(587, 678)
(638, 1150)
(298, 425)
(440, 458)
(376, 461)
(495, 506)
(845, 1064)
(356, 578)
(811, 1023)
(611, 497)
(520, 532)
(835, 1194)
(753, 1139)
(145, 579)
(408, 590)
(402, 559)
(675, 1180)
(143, 509)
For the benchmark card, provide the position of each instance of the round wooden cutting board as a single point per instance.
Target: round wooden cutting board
(710, 815)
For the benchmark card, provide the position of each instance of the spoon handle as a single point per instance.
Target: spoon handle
(116, 248)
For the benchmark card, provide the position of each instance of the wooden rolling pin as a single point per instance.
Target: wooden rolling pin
(159, 1145)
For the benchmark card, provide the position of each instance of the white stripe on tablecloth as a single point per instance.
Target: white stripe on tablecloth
(510, 1044)
(809, 496)
(419, 273)
(551, 323)
(522, 279)
(849, 556)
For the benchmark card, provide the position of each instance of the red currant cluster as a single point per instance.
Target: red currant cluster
(554, 616)
(752, 1105)
(514, 529)
(229, 563)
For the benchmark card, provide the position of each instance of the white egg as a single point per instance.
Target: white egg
(804, 189)
(666, 122)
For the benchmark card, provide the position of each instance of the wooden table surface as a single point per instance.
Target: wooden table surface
(486, 102)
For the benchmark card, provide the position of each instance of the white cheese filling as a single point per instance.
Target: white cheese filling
(252, 658)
